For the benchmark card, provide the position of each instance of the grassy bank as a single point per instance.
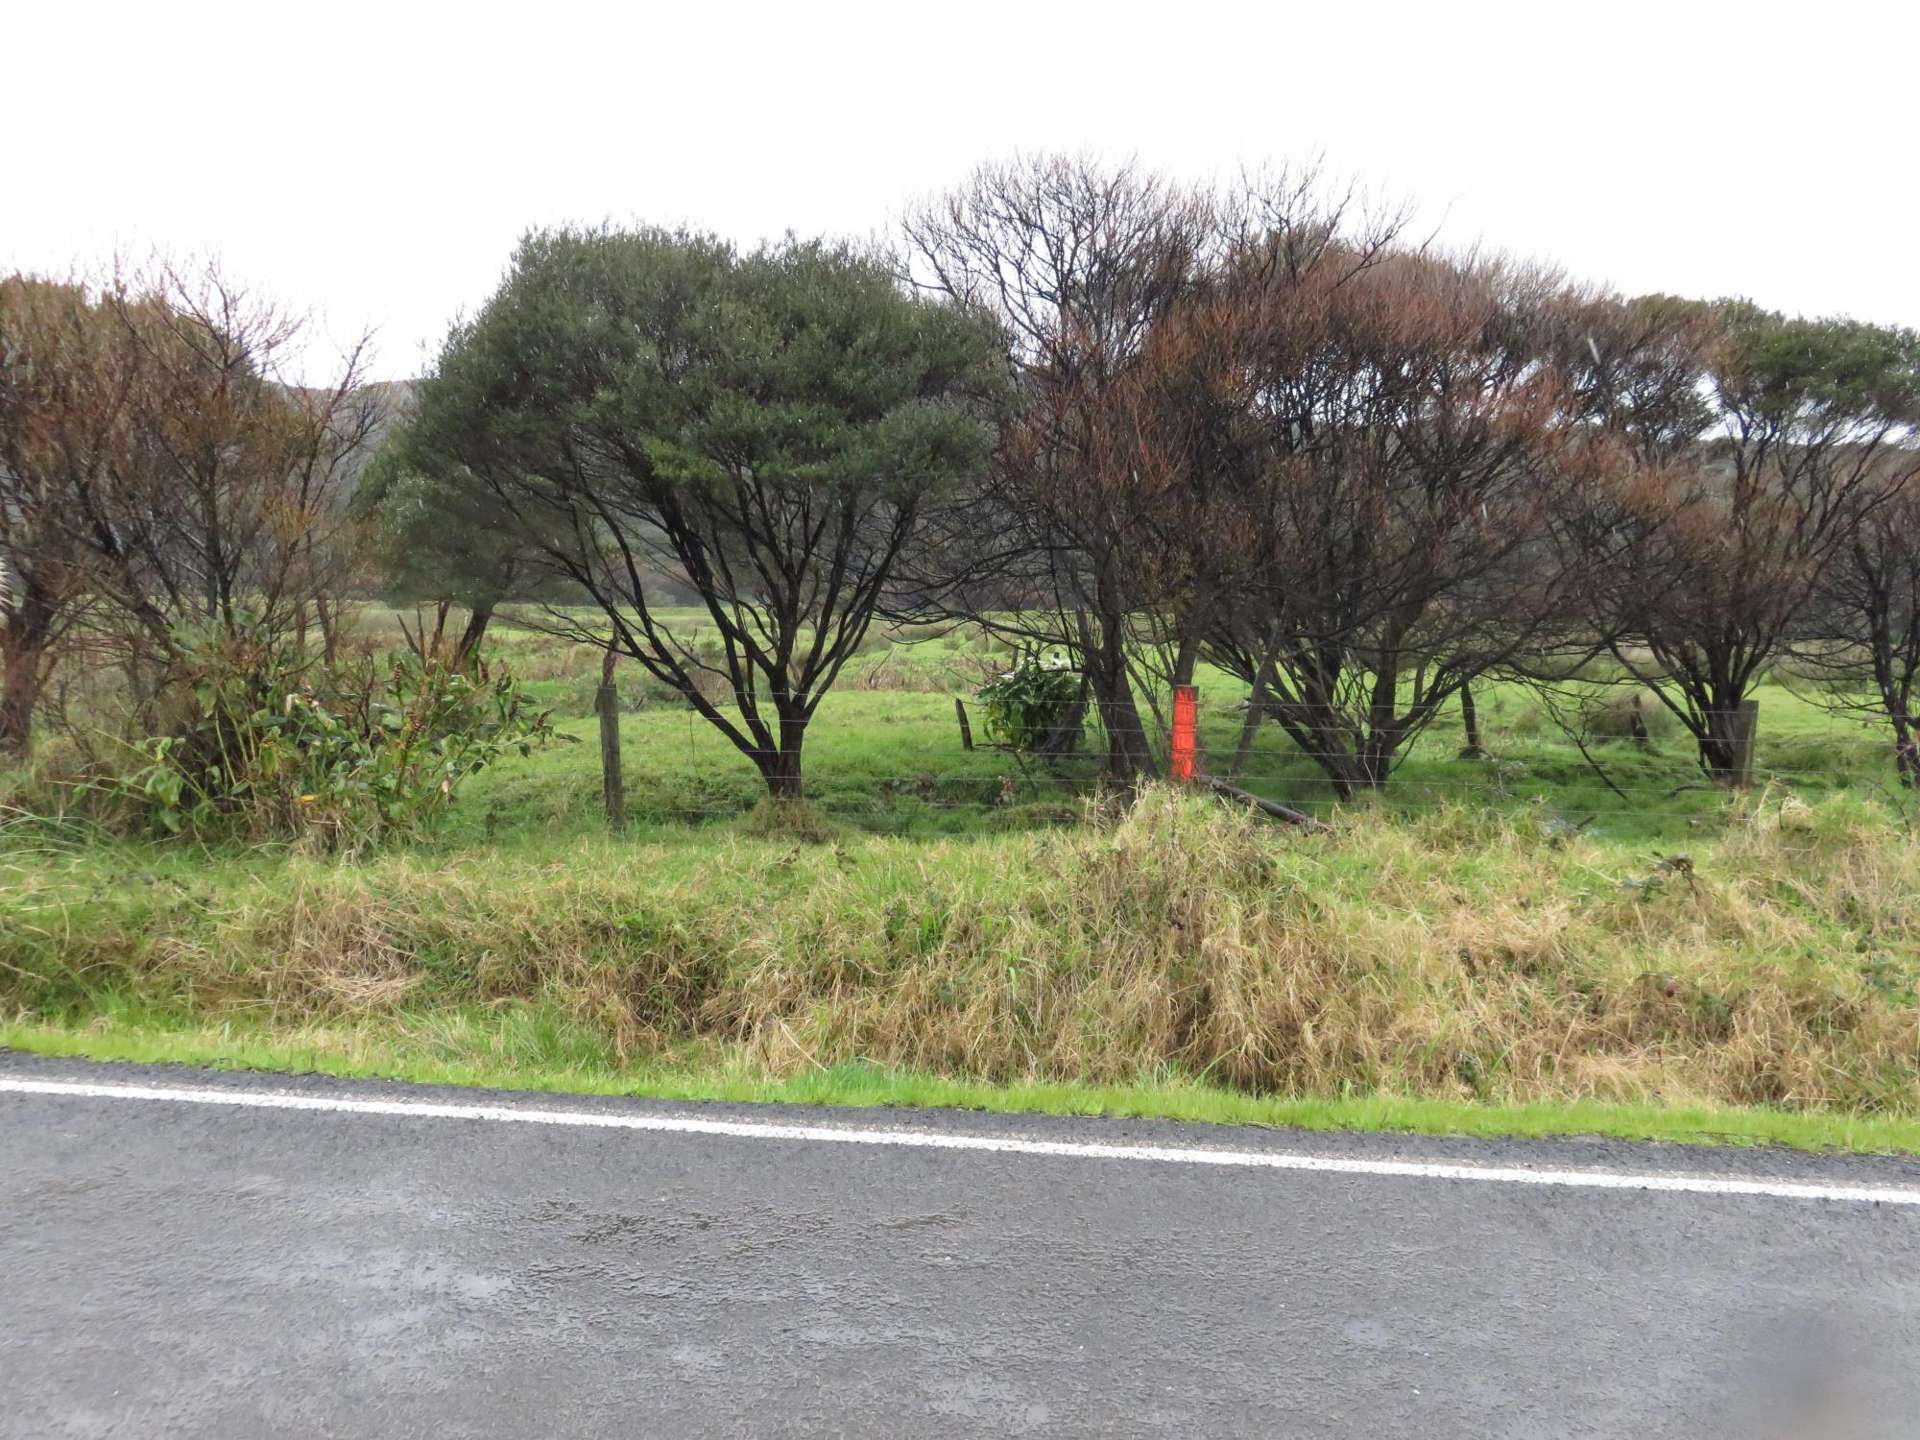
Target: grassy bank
(1501, 945)
(1456, 970)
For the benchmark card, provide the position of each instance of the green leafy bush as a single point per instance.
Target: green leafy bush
(263, 743)
(1027, 703)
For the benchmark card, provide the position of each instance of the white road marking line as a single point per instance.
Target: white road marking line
(1000, 1145)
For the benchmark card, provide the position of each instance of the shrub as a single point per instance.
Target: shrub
(263, 743)
(1026, 704)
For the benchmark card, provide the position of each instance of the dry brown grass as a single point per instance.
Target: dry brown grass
(1455, 956)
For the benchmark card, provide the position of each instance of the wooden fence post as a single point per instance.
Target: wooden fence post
(606, 704)
(966, 730)
(1746, 722)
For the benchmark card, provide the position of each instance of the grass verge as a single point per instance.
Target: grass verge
(1460, 972)
(364, 1055)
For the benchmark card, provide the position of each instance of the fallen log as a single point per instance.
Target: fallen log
(1266, 807)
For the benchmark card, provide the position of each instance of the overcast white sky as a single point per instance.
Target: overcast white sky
(375, 163)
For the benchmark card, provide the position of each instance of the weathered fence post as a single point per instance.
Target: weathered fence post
(1746, 722)
(606, 704)
(966, 730)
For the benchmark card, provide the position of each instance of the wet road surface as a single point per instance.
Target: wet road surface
(172, 1268)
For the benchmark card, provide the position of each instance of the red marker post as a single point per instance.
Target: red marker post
(1186, 723)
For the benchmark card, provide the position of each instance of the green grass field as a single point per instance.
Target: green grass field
(884, 757)
(1497, 946)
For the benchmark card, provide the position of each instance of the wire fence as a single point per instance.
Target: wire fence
(918, 766)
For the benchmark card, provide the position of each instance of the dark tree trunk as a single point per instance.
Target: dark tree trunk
(1470, 720)
(1380, 745)
(1313, 717)
(1355, 763)
(328, 615)
(613, 785)
(1186, 659)
(1064, 738)
(1894, 680)
(1129, 757)
(781, 768)
(19, 695)
(1256, 711)
(1905, 759)
(1103, 637)
(782, 773)
(1726, 739)
(23, 668)
(468, 649)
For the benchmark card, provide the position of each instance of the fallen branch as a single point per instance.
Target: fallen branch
(1272, 808)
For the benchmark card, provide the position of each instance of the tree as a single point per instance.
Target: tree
(649, 409)
(1405, 439)
(430, 549)
(1710, 549)
(64, 385)
(1865, 635)
(157, 472)
(440, 538)
(1076, 264)
(232, 503)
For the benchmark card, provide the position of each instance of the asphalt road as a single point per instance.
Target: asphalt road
(171, 1268)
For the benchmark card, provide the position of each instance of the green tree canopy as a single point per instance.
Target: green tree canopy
(649, 411)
